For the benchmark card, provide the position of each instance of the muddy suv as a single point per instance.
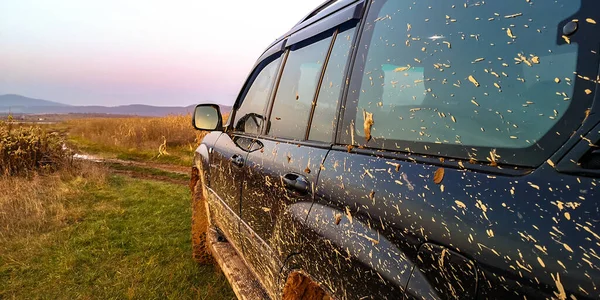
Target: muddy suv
(412, 149)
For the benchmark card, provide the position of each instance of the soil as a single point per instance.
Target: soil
(141, 175)
(300, 287)
(162, 167)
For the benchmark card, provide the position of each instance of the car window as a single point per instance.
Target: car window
(492, 74)
(249, 117)
(297, 88)
(325, 113)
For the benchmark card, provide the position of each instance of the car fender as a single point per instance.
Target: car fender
(347, 256)
(202, 156)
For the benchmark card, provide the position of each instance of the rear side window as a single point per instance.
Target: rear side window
(326, 110)
(250, 116)
(297, 88)
(463, 78)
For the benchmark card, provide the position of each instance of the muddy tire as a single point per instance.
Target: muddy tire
(300, 287)
(200, 250)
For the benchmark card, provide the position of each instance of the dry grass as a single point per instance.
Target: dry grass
(166, 140)
(41, 202)
(25, 150)
(68, 230)
(147, 134)
(36, 177)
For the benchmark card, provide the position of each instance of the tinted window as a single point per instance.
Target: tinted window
(325, 113)
(250, 116)
(493, 74)
(297, 89)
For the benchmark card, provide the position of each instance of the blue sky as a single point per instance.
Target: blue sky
(115, 52)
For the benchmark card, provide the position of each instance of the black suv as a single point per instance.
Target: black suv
(412, 149)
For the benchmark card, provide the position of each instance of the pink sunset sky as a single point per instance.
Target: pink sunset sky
(114, 52)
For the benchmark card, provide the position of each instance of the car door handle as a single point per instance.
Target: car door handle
(296, 183)
(237, 160)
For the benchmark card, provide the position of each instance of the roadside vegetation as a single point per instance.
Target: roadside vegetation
(170, 140)
(73, 229)
(28, 149)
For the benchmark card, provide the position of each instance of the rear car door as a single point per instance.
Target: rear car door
(232, 148)
(443, 184)
(283, 174)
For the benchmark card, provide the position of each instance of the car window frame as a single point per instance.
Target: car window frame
(267, 58)
(353, 14)
(331, 33)
(353, 23)
(346, 76)
(461, 152)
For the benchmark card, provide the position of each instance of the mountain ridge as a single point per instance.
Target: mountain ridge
(14, 100)
(23, 105)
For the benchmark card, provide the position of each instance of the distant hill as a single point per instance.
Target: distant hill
(11, 100)
(23, 105)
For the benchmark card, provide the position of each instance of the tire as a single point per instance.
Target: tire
(200, 249)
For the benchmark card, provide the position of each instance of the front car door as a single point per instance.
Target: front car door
(283, 175)
(231, 150)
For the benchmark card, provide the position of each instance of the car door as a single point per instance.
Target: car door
(231, 150)
(445, 182)
(442, 273)
(283, 174)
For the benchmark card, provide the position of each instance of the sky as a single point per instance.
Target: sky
(116, 52)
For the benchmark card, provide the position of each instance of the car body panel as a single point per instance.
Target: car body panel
(394, 224)
(266, 198)
(442, 273)
(203, 153)
(226, 183)
(502, 222)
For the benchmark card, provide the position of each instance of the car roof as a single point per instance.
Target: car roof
(320, 12)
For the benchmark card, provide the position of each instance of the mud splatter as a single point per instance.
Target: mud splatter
(368, 124)
(438, 177)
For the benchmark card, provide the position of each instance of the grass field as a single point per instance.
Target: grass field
(176, 155)
(149, 172)
(114, 230)
(122, 239)
(167, 140)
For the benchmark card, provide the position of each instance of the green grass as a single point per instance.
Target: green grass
(180, 156)
(130, 240)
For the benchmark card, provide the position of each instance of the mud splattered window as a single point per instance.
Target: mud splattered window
(297, 88)
(326, 110)
(250, 116)
(491, 74)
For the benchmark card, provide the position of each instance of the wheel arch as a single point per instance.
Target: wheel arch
(345, 255)
(300, 285)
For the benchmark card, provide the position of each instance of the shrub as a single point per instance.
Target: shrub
(26, 150)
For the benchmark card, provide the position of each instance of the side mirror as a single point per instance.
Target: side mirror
(207, 117)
